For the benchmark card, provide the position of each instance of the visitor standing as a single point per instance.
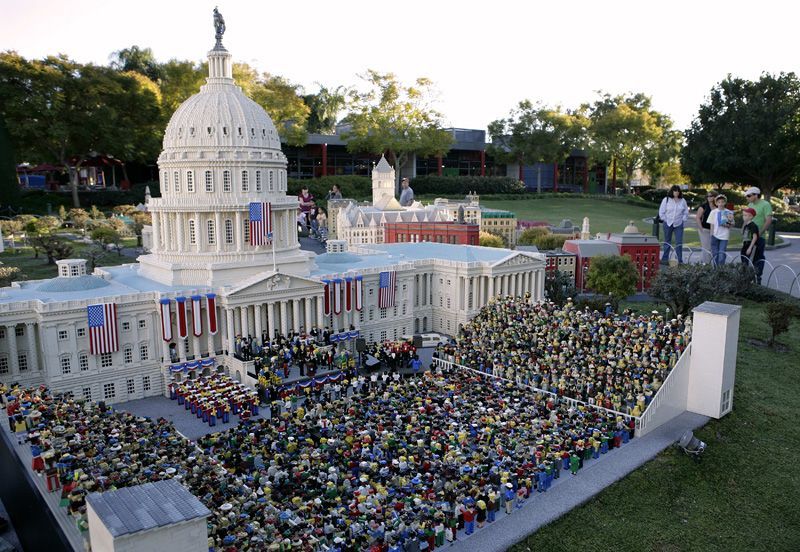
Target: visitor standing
(721, 220)
(750, 235)
(406, 193)
(703, 226)
(763, 220)
(306, 200)
(673, 212)
(334, 193)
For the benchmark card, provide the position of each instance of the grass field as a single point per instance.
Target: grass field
(604, 215)
(742, 496)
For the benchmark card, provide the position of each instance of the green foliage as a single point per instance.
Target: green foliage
(395, 119)
(8, 274)
(559, 286)
(627, 129)
(490, 240)
(551, 241)
(529, 236)
(325, 107)
(9, 187)
(139, 60)
(612, 275)
(779, 316)
(534, 133)
(685, 286)
(720, 144)
(352, 187)
(454, 185)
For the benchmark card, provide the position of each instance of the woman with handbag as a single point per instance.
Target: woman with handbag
(673, 213)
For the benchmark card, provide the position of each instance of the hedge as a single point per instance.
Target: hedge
(35, 202)
(352, 187)
(445, 185)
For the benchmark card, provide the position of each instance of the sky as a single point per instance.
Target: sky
(484, 57)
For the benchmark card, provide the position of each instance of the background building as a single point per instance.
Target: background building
(451, 232)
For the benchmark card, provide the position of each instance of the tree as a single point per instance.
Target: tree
(779, 316)
(394, 119)
(79, 217)
(105, 235)
(139, 60)
(531, 235)
(612, 275)
(325, 107)
(487, 239)
(9, 187)
(534, 134)
(559, 286)
(685, 286)
(626, 130)
(283, 102)
(41, 233)
(180, 79)
(58, 110)
(8, 274)
(747, 132)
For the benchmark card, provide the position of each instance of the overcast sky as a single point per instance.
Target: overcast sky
(483, 56)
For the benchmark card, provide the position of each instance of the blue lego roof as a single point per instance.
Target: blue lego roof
(133, 509)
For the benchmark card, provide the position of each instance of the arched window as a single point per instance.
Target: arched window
(209, 181)
(176, 176)
(271, 181)
(127, 354)
(258, 181)
(66, 364)
(245, 181)
(228, 231)
(83, 361)
(192, 232)
(226, 181)
(190, 181)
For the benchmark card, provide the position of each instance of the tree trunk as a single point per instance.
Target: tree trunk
(73, 184)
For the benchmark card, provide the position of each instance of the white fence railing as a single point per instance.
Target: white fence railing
(668, 402)
(449, 361)
(670, 399)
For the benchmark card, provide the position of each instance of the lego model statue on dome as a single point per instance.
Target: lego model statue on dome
(219, 26)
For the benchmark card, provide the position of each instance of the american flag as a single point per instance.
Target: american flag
(387, 285)
(260, 223)
(102, 328)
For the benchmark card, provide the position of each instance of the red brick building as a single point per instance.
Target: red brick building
(643, 250)
(585, 250)
(433, 232)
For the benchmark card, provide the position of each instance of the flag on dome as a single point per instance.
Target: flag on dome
(103, 336)
(260, 223)
(387, 285)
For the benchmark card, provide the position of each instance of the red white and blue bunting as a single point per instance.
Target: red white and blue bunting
(321, 380)
(327, 296)
(344, 336)
(348, 294)
(359, 293)
(197, 316)
(337, 296)
(183, 329)
(166, 319)
(211, 312)
(192, 365)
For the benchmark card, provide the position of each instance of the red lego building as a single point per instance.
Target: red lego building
(434, 232)
(643, 250)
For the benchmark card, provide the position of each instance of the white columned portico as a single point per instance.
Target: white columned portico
(308, 321)
(491, 286)
(13, 353)
(271, 319)
(243, 318)
(320, 313)
(259, 314)
(229, 330)
(284, 327)
(33, 350)
(296, 314)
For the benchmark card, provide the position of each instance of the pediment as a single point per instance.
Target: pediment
(519, 259)
(273, 283)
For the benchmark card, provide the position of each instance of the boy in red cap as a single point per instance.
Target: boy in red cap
(750, 235)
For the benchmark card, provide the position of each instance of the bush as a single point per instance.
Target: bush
(530, 235)
(551, 241)
(685, 286)
(612, 275)
(352, 187)
(491, 240)
(779, 316)
(788, 222)
(462, 185)
(593, 302)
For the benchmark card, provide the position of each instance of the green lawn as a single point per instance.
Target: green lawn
(36, 269)
(742, 496)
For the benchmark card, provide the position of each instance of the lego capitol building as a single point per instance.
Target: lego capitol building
(225, 260)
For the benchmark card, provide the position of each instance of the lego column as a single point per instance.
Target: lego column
(712, 367)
